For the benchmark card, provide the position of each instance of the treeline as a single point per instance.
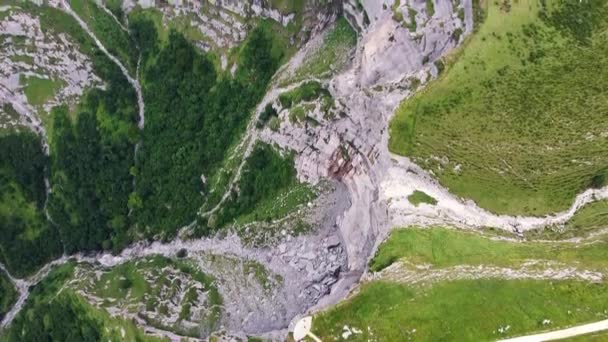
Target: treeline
(8, 295)
(265, 174)
(90, 165)
(27, 239)
(91, 155)
(48, 316)
(58, 320)
(193, 113)
(101, 197)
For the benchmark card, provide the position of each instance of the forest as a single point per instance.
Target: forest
(52, 317)
(28, 240)
(265, 174)
(192, 116)
(102, 195)
(90, 168)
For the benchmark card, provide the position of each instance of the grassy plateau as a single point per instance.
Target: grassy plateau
(480, 309)
(517, 121)
(465, 310)
(442, 247)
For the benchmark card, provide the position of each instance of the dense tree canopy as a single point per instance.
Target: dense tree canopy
(27, 239)
(91, 160)
(99, 191)
(193, 114)
(265, 174)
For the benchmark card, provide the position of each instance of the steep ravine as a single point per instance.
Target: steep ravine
(365, 184)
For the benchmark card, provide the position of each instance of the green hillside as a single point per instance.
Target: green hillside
(517, 122)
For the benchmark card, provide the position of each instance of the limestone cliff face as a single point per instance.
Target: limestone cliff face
(392, 60)
(225, 22)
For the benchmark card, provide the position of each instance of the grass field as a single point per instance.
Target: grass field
(330, 57)
(281, 205)
(39, 90)
(468, 310)
(442, 247)
(418, 197)
(517, 122)
(8, 294)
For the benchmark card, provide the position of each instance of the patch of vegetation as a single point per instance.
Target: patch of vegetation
(442, 247)
(397, 15)
(297, 114)
(430, 8)
(456, 35)
(440, 65)
(260, 273)
(265, 176)
(522, 110)
(53, 314)
(23, 59)
(418, 197)
(288, 6)
(39, 90)
(308, 91)
(192, 116)
(27, 241)
(153, 282)
(8, 295)
(412, 25)
(465, 310)
(268, 113)
(332, 56)
(117, 41)
(479, 13)
(280, 205)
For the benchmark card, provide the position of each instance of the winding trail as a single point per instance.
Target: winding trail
(578, 330)
(134, 82)
(404, 177)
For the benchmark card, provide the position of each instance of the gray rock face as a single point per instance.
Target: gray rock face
(389, 64)
(29, 52)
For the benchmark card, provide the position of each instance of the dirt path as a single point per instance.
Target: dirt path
(563, 333)
(410, 274)
(404, 177)
(134, 82)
